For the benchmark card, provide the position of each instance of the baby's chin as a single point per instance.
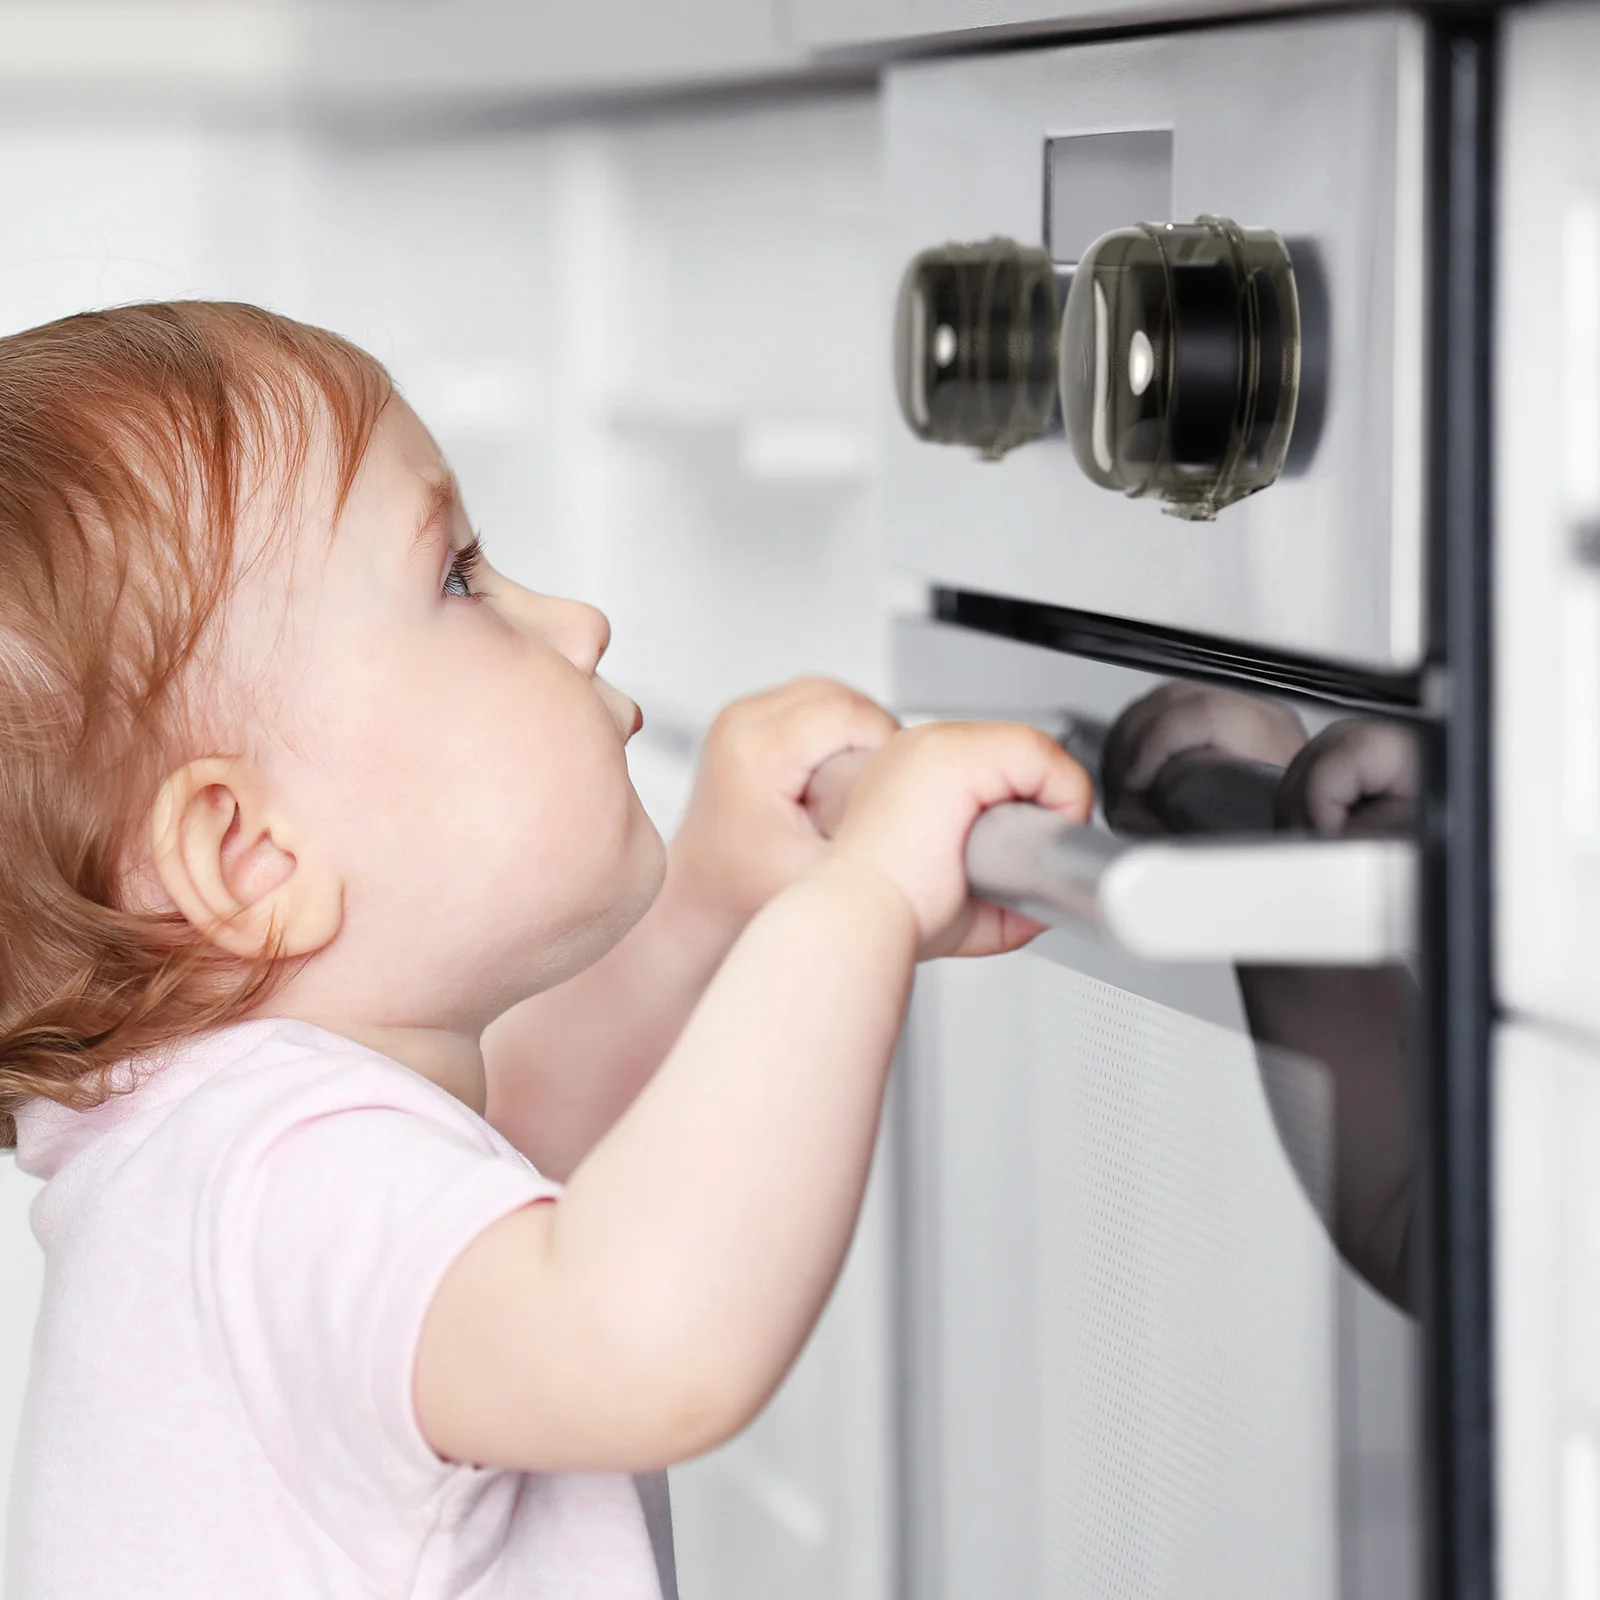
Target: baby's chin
(649, 874)
(629, 899)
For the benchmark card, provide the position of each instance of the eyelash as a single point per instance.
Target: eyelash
(462, 566)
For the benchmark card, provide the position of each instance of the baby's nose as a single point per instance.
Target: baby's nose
(585, 633)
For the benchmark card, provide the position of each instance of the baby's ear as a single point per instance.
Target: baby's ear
(225, 854)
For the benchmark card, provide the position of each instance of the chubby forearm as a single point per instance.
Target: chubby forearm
(714, 1217)
(650, 1311)
(562, 1066)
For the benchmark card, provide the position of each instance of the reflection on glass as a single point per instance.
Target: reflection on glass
(1335, 1048)
(1190, 759)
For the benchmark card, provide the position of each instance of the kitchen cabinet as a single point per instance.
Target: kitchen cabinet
(1547, 518)
(833, 24)
(1547, 808)
(471, 49)
(800, 1505)
(239, 52)
(876, 27)
(660, 389)
(1547, 1325)
(662, 393)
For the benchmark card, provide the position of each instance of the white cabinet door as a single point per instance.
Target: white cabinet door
(1547, 518)
(652, 349)
(801, 1506)
(1547, 1315)
(468, 48)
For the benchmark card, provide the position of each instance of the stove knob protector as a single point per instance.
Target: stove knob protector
(976, 345)
(1179, 362)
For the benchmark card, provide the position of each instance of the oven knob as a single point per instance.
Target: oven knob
(975, 344)
(1180, 362)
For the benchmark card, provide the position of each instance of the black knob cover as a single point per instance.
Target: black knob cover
(975, 344)
(1180, 362)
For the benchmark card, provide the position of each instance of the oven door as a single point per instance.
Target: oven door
(1157, 1211)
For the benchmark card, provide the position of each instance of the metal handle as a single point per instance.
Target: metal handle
(1285, 900)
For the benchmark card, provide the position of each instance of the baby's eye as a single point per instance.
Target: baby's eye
(462, 565)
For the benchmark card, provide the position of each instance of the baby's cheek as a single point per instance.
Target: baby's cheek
(575, 798)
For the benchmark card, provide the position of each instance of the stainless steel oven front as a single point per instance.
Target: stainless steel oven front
(1158, 1168)
(1185, 454)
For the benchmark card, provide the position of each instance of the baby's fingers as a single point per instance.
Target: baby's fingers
(820, 720)
(1350, 764)
(992, 931)
(1181, 719)
(1012, 762)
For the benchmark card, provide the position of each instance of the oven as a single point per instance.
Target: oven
(1187, 463)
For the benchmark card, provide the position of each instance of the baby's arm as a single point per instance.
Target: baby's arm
(651, 1311)
(562, 1066)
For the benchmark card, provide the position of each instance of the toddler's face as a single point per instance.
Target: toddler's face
(447, 749)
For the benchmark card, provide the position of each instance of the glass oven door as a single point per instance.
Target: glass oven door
(1156, 1174)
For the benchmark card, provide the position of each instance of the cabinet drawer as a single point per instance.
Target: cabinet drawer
(1547, 520)
(1547, 1315)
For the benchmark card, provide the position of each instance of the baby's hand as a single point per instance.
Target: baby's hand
(746, 834)
(1358, 776)
(1181, 722)
(912, 809)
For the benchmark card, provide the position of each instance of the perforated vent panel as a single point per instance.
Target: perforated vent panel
(1184, 1319)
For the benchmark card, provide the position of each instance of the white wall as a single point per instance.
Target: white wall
(655, 350)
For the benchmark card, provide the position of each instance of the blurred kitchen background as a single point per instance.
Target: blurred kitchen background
(624, 259)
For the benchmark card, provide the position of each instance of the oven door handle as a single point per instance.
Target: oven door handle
(1284, 899)
(1287, 900)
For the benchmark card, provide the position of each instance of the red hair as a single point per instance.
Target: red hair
(130, 440)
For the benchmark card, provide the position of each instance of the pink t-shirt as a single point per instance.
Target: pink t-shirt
(238, 1257)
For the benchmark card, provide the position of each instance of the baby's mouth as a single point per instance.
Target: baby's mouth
(629, 718)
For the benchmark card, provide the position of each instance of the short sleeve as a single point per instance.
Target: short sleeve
(328, 1250)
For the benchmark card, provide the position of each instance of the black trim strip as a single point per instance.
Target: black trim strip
(1193, 655)
(1454, 1217)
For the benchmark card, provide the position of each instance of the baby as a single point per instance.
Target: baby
(317, 844)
